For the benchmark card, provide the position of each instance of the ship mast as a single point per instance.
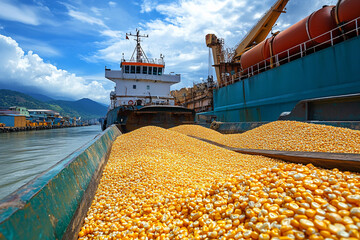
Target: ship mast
(140, 54)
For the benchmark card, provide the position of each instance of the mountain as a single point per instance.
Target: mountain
(87, 108)
(84, 108)
(32, 91)
(40, 97)
(10, 98)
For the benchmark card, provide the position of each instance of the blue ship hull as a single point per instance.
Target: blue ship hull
(330, 72)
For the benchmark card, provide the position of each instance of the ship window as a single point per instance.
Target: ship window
(160, 71)
(134, 86)
(144, 70)
(127, 69)
(138, 69)
(148, 87)
(132, 69)
(154, 70)
(150, 70)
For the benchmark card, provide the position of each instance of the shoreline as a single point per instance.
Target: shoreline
(29, 128)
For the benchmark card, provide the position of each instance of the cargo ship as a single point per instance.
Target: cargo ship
(308, 72)
(142, 93)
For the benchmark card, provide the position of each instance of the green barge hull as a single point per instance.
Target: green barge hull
(53, 205)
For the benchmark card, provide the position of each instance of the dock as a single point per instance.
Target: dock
(32, 128)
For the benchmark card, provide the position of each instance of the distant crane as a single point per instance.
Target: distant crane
(227, 61)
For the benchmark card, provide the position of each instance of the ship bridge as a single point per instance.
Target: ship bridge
(152, 70)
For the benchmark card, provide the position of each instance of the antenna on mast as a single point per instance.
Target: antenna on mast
(140, 54)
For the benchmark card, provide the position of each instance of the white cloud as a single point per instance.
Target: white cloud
(112, 34)
(195, 68)
(96, 11)
(19, 13)
(83, 17)
(29, 69)
(39, 47)
(147, 6)
(112, 4)
(258, 15)
(44, 50)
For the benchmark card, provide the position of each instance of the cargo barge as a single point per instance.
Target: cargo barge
(308, 72)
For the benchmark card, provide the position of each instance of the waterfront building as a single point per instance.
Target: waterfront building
(13, 120)
(43, 115)
(20, 110)
(4, 111)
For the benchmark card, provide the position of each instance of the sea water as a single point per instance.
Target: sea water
(24, 155)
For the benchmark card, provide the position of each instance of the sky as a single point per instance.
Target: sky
(60, 48)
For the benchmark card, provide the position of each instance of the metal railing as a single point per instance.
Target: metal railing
(303, 49)
(148, 60)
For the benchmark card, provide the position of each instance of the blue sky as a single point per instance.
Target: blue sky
(60, 48)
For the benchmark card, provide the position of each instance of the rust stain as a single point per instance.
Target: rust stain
(53, 220)
(17, 203)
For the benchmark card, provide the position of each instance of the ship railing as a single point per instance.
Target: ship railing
(147, 60)
(337, 35)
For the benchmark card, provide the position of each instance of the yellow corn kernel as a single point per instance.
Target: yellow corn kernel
(160, 184)
(304, 223)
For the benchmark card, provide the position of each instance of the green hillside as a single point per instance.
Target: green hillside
(10, 98)
(84, 108)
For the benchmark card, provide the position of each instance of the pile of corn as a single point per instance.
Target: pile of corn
(148, 170)
(288, 201)
(160, 184)
(297, 136)
(286, 136)
(198, 131)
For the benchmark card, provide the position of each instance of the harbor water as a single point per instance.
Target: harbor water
(24, 155)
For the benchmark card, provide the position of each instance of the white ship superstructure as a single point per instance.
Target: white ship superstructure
(141, 81)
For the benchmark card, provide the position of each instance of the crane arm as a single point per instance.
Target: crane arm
(260, 31)
(216, 45)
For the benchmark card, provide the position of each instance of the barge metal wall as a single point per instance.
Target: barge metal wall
(50, 205)
(263, 97)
